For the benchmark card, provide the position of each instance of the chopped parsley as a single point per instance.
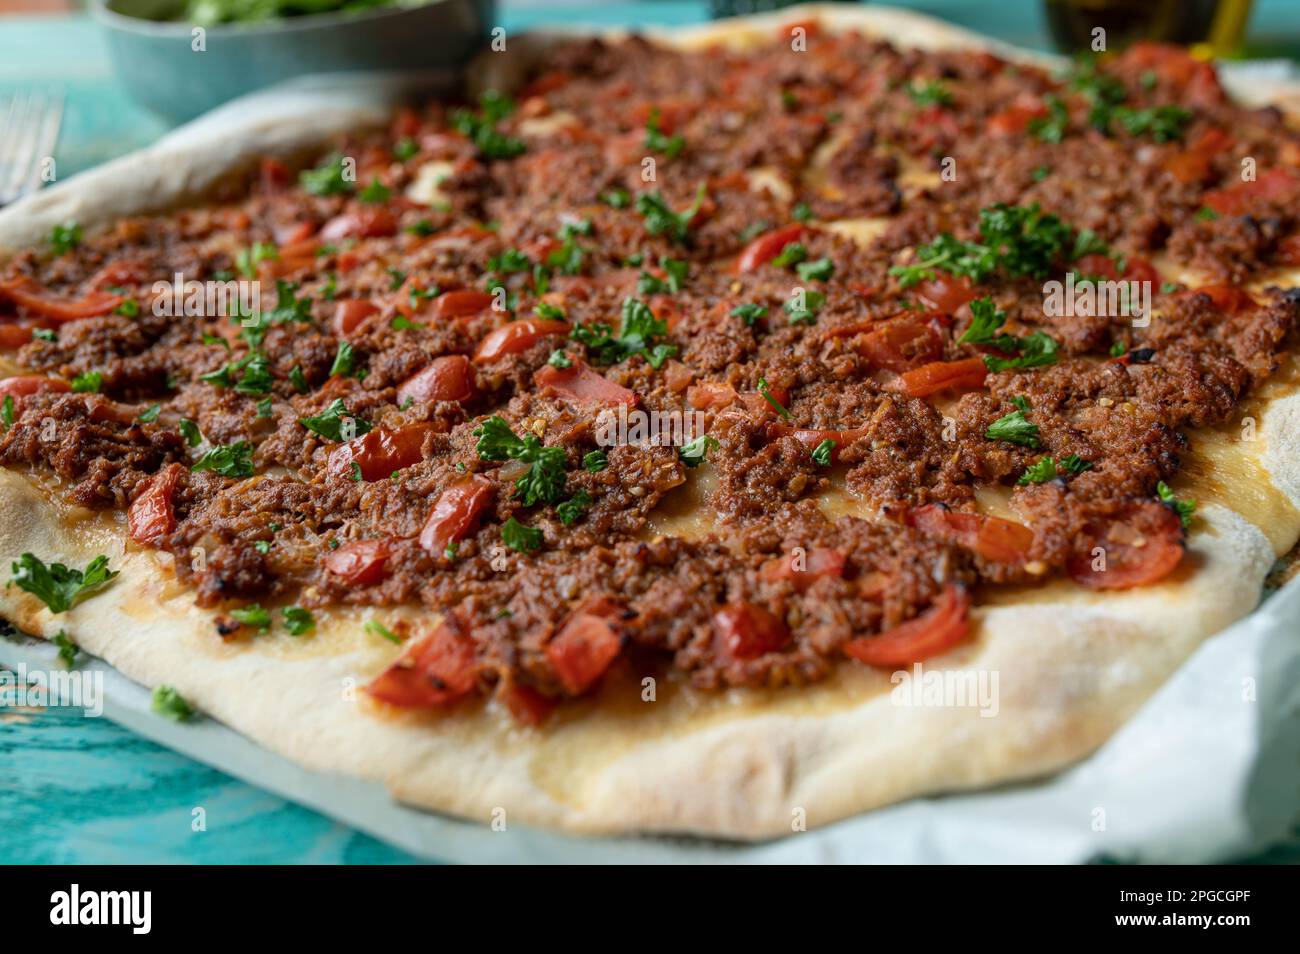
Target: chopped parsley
(298, 621)
(616, 198)
(573, 508)
(519, 537)
(169, 703)
(697, 451)
(254, 616)
(298, 379)
(7, 410)
(802, 212)
(1017, 240)
(57, 586)
(1053, 126)
(345, 361)
(376, 193)
(545, 478)
(792, 253)
(636, 335)
(64, 238)
(229, 460)
(806, 315)
(660, 219)
(402, 323)
(559, 359)
(330, 422)
(749, 313)
(656, 141)
(1032, 351)
(1184, 508)
(190, 431)
(767, 396)
(822, 452)
(88, 383)
(930, 93)
(1015, 428)
(67, 648)
(379, 629)
(405, 149)
(150, 414)
(480, 128)
(329, 178)
(593, 462)
(820, 270)
(247, 259)
(288, 307)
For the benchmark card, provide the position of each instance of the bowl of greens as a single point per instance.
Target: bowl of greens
(181, 58)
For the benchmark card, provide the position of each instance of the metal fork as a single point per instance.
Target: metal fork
(29, 130)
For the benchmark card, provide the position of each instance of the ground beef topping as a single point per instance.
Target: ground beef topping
(503, 351)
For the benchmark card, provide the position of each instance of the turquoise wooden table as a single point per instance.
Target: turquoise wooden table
(83, 790)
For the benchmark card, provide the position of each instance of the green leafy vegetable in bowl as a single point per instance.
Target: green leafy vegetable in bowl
(213, 12)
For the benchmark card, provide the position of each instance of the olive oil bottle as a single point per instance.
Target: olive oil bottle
(1211, 28)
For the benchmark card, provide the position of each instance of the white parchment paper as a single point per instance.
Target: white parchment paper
(1208, 770)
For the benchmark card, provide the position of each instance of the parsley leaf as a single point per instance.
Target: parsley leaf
(329, 423)
(298, 621)
(749, 313)
(190, 431)
(57, 586)
(697, 451)
(656, 141)
(545, 478)
(345, 360)
(64, 238)
(253, 616)
(573, 508)
(67, 648)
(821, 454)
(1184, 508)
(595, 461)
(88, 383)
(169, 703)
(329, 178)
(1014, 428)
(519, 537)
(660, 219)
(931, 93)
(230, 460)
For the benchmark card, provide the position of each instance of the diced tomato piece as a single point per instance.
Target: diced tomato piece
(1141, 545)
(768, 246)
(1240, 199)
(350, 313)
(966, 374)
(25, 293)
(1135, 269)
(527, 705)
(585, 647)
(1193, 164)
(1196, 79)
(812, 438)
(580, 384)
(14, 336)
(380, 452)
(24, 385)
(946, 293)
(435, 670)
(819, 562)
(995, 539)
(121, 272)
(456, 513)
(933, 127)
(1015, 119)
(370, 221)
(1229, 299)
(517, 336)
(747, 631)
(361, 562)
(938, 629)
(447, 378)
(460, 303)
(1288, 250)
(274, 174)
(902, 343)
(151, 515)
(709, 394)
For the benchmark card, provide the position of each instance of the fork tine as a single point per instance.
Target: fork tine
(47, 139)
(8, 144)
(25, 137)
(15, 139)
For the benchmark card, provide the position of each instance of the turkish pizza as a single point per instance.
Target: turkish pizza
(609, 445)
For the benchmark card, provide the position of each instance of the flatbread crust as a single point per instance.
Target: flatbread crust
(1071, 665)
